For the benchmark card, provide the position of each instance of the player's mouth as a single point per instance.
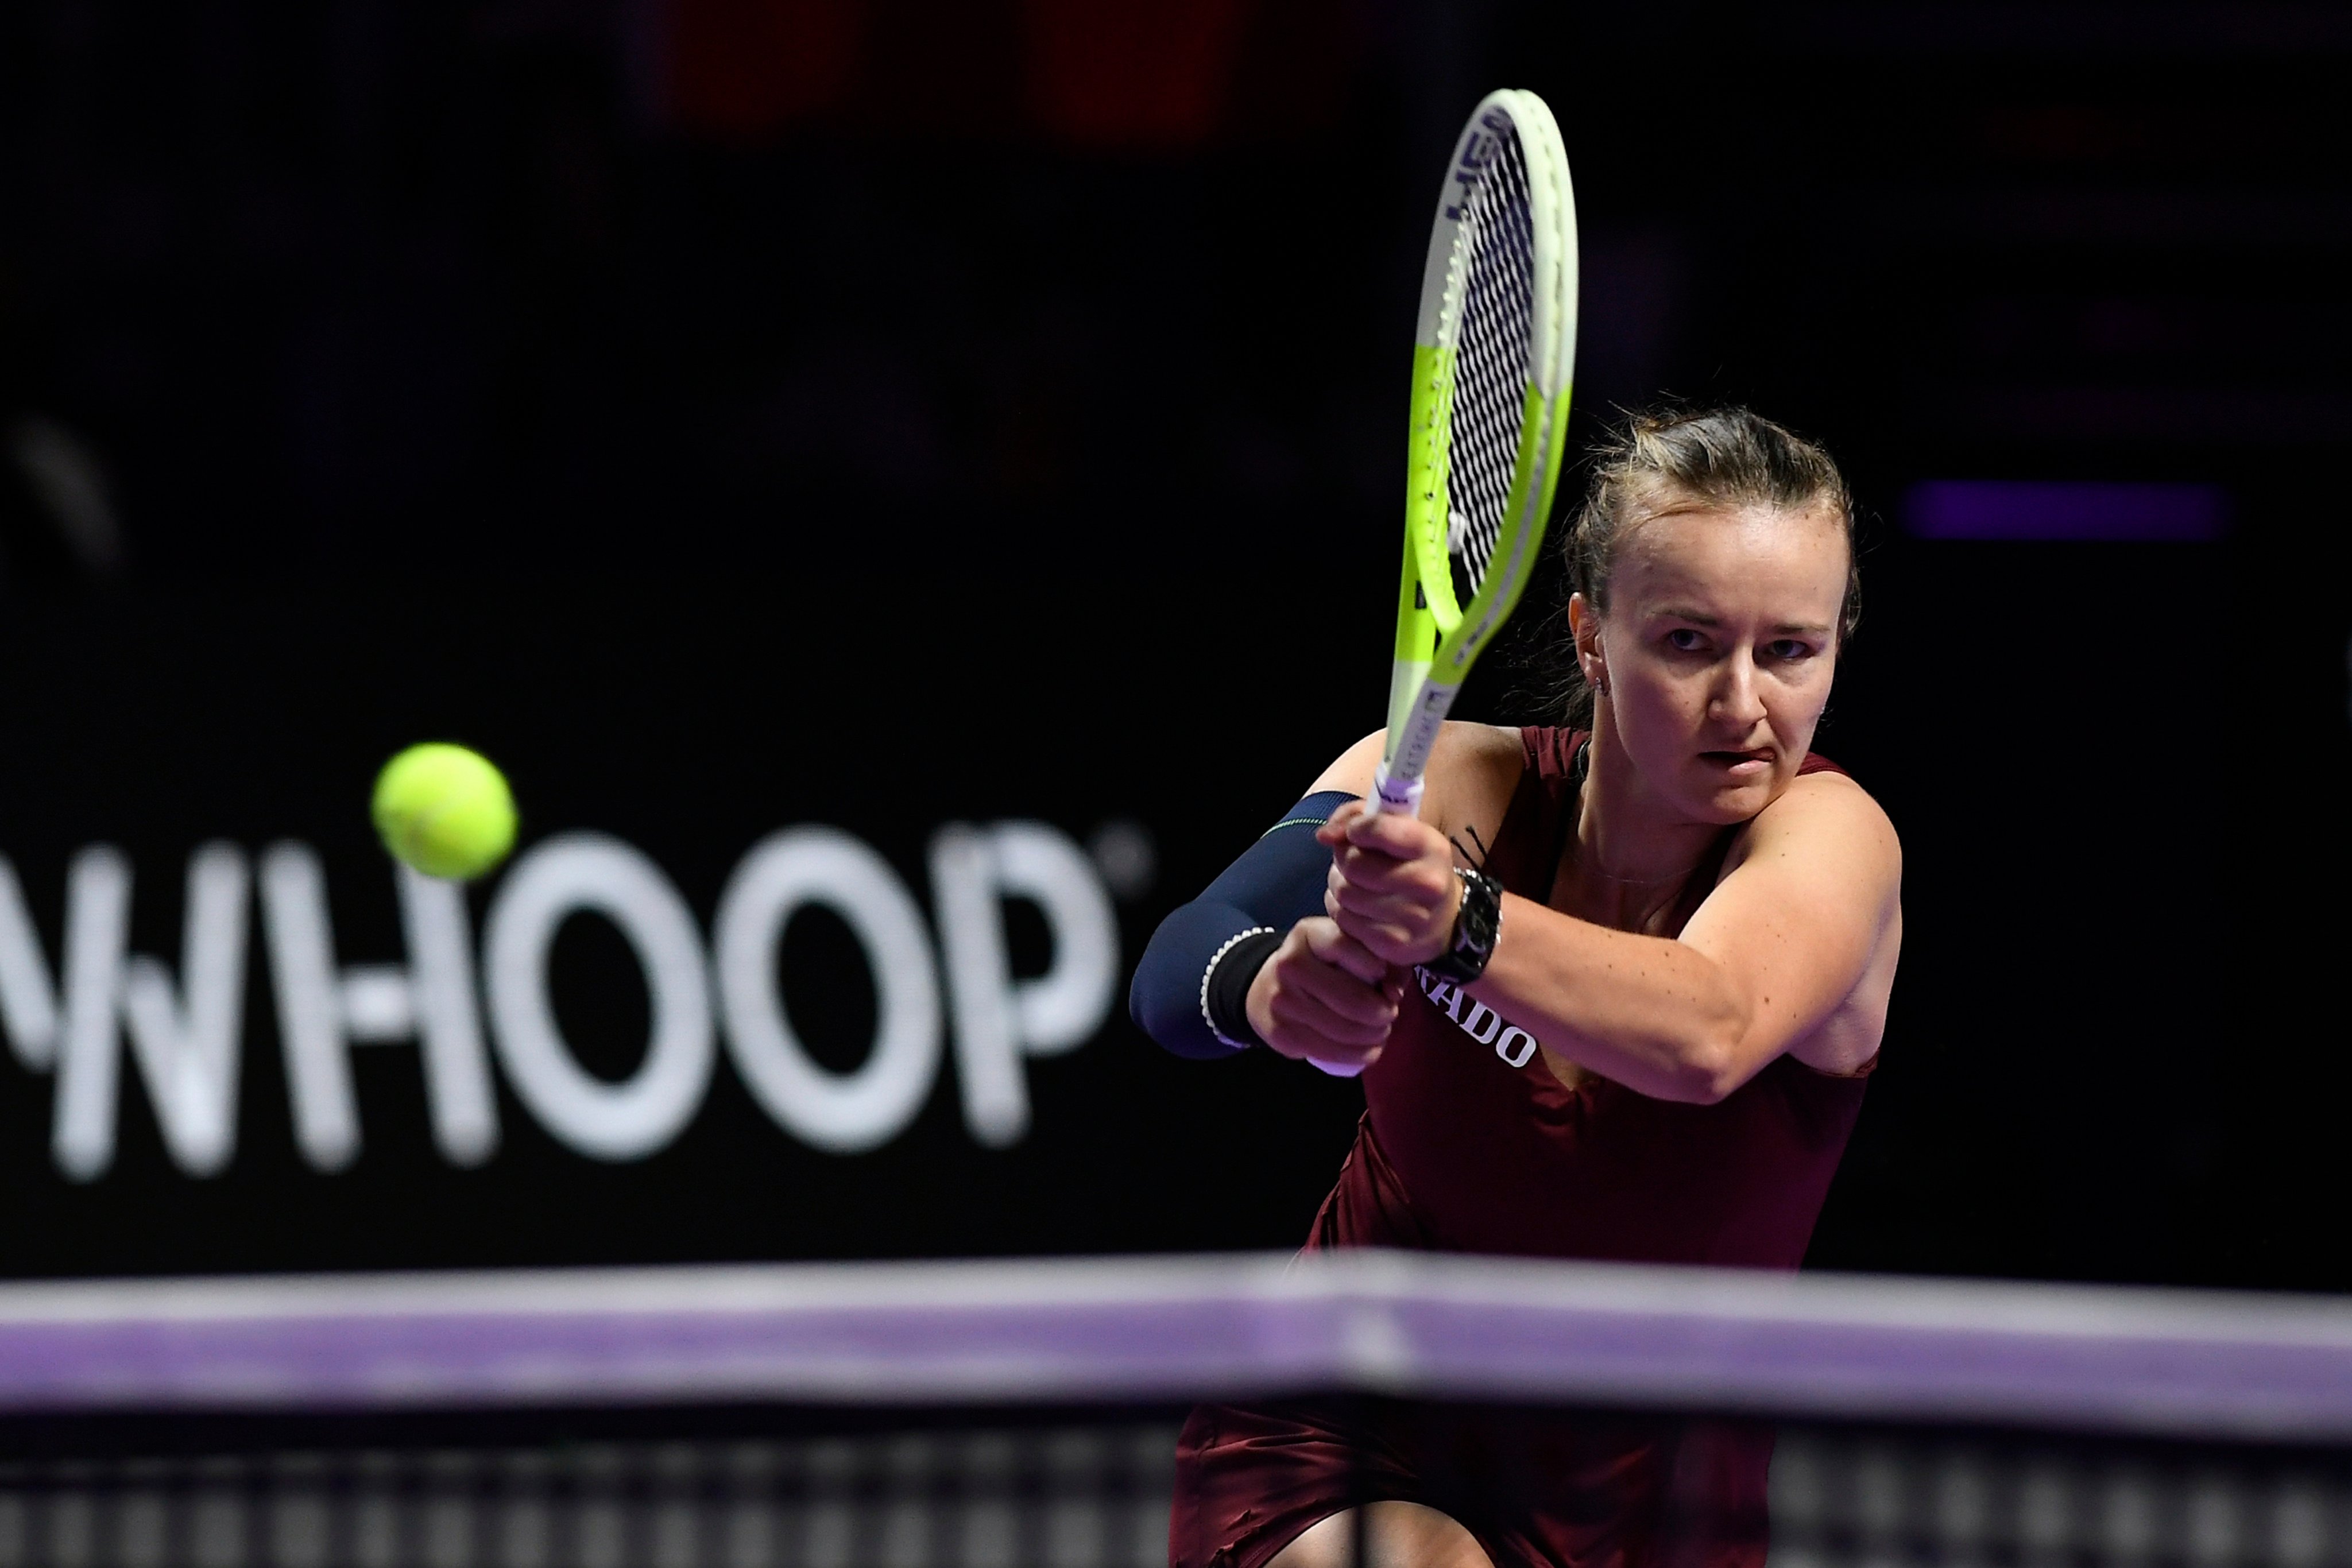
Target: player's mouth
(1751, 764)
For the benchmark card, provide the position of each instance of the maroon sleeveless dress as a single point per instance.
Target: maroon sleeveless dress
(1469, 1143)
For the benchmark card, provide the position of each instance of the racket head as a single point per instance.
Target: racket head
(1492, 356)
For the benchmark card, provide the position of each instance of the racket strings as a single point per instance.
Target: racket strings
(1493, 362)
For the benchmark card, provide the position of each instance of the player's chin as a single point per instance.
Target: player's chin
(1725, 801)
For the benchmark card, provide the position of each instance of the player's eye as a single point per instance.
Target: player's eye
(1683, 640)
(1787, 648)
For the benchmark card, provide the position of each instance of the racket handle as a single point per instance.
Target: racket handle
(1387, 795)
(1392, 795)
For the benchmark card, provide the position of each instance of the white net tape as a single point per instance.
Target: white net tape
(1491, 363)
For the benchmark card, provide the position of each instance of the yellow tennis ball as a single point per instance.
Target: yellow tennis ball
(445, 811)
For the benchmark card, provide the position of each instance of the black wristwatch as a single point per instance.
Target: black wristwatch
(1476, 925)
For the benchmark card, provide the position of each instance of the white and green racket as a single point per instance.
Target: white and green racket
(1491, 367)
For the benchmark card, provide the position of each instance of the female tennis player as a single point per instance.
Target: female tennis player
(1614, 993)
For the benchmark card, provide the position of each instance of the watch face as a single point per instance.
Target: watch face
(1476, 926)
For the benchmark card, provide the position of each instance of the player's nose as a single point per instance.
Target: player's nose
(1736, 699)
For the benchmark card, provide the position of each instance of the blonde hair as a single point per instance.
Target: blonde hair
(1717, 456)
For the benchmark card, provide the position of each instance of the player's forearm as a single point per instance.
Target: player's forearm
(1653, 1014)
(1183, 979)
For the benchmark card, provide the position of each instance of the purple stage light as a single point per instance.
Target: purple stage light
(2070, 510)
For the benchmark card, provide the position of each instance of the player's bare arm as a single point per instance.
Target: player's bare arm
(1792, 951)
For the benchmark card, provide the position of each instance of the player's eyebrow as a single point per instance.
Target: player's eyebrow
(1701, 618)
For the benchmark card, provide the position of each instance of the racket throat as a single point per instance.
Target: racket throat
(1406, 680)
(1397, 783)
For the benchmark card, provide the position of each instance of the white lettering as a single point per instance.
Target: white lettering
(184, 1029)
(321, 1014)
(998, 1019)
(593, 872)
(1060, 1009)
(1512, 1043)
(184, 1040)
(98, 928)
(448, 1021)
(971, 944)
(843, 1112)
(29, 1001)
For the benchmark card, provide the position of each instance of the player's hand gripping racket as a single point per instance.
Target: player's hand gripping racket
(1490, 385)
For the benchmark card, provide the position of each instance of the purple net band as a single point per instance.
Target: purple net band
(1150, 1330)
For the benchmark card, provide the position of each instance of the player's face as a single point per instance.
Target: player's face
(1718, 647)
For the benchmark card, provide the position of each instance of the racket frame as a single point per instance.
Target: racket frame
(1437, 638)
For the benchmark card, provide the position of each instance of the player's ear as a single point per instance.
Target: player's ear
(1584, 626)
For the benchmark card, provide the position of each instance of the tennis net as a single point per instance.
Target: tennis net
(1002, 1413)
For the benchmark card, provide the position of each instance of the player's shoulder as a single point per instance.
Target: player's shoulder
(1474, 768)
(1829, 809)
(1468, 759)
(1489, 750)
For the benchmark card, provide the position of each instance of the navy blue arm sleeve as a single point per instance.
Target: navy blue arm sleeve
(1277, 882)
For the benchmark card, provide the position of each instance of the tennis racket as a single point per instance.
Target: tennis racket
(1491, 364)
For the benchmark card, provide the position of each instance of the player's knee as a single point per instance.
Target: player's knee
(1399, 1536)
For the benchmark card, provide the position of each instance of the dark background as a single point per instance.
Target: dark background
(737, 412)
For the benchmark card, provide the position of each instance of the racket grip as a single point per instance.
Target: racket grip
(1393, 795)
(1338, 1069)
